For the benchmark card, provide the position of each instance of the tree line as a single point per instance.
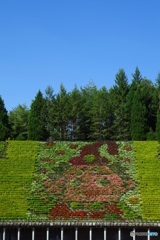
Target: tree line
(123, 112)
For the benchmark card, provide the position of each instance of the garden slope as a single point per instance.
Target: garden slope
(77, 181)
(16, 169)
(148, 176)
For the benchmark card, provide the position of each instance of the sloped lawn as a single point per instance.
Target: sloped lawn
(17, 160)
(148, 177)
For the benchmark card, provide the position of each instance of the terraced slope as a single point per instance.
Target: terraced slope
(85, 181)
(16, 170)
(79, 181)
(148, 173)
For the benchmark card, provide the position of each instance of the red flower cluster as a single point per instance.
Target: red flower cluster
(112, 148)
(61, 210)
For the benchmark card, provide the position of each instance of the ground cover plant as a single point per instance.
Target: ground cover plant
(148, 177)
(79, 180)
(85, 181)
(17, 160)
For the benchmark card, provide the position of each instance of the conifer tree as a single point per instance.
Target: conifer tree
(4, 125)
(62, 110)
(88, 94)
(138, 117)
(158, 111)
(75, 110)
(136, 79)
(100, 113)
(119, 92)
(49, 111)
(36, 127)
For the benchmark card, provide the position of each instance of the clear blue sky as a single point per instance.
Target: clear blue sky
(49, 42)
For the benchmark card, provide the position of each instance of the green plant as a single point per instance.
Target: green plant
(96, 206)
(89, 158)
(108, 217)
(76, 205)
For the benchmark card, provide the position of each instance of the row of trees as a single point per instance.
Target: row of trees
(123, 112)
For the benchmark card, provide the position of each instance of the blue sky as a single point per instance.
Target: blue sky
(49, 42)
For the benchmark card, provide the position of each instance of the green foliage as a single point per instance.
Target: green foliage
(96, 206)
(120, 92)
(158, 126)
(18, 120)
(3, 147)
(130, 202)
(151, 135)
(15, 178)
(138, 117)
(89, 158)
(37, 122)
(76, 205)
(4, 125)
(75, 114)
(147, 168)
(109, 217)
(51, 165)
(100, 115)
(61, 118)
(38, 178)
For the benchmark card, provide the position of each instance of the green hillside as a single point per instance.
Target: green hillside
(79, 181)
(16, 171)
(148, 174)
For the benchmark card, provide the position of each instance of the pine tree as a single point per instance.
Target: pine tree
(100, 113)
(49, 111)
(4, 125)
(62, 110)
(138, 117)
(158, 111)
(136, 80)
(36, 127)
(85, 120)
(75, 106)
(119, 94)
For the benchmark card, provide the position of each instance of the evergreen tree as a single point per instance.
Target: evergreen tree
(75, 106)
(4, 124)
(18, 119)
(158, 111)
(138, 117)
(37, 125)
(136, 80)
(85, 120)
(49, 112)
(62, 110)
(119, 94)
(100, 114)
(149, 93)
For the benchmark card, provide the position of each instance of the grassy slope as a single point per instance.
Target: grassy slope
(148, 173)
(15, 176)
(16, 172)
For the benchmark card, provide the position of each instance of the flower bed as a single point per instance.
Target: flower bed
(85, 181)
(148, 177)
(15, 177)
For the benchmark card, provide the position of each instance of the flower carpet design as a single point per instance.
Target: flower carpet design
(79, 181)
(85, 181)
